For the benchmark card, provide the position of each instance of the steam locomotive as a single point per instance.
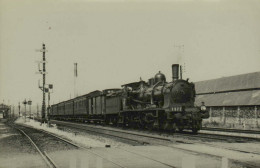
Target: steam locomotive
(155, 104)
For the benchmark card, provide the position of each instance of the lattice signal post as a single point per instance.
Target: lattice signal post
(43, 72)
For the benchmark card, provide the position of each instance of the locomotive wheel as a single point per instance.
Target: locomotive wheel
(173, 128)
(107, 121)
(156, 126)
(149, 126)
(180, 125)
(180, 128)
(119, 125)
(134, 124)
(196, 127)
(194, 130)
(165, 125)
(169, 126)
(114, 121)
(140, 125)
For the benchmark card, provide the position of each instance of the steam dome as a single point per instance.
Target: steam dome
(159, 77)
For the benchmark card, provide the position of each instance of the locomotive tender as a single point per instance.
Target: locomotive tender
(155, 104)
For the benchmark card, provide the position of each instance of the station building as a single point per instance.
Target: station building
(232, 101)
(4, 109)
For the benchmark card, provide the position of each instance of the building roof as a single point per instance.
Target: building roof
(238, 82)
(3, 106)
(243, 98)
(240, 90)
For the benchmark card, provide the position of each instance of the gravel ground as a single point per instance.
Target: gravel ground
(16, 150)
(98, 143)
(108, 140)
(196, 144)
(46, 142)
(77, 136)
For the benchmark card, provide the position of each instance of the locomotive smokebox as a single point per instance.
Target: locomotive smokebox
(175, 72)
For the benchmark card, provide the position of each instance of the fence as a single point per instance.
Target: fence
(234, 116)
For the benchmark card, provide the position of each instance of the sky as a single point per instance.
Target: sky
(117, 42)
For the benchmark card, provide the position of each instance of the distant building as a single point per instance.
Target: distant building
(233, 100)
(4, 110)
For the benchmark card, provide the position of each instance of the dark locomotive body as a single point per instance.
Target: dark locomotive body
(155, 104)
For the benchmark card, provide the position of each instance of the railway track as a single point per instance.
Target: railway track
(139, 138)
(217, 137)
(154, 135)
(145, 138)
(217, 134)
(148, 139)
(49, 161)
(231, 130)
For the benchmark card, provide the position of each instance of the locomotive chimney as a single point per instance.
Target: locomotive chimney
(175, 72)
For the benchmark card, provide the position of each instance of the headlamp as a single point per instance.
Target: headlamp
(203, 108)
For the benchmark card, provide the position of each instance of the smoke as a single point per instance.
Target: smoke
(179, 54)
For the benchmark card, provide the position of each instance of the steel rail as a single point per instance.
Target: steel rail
(220, 137)
(113, 130)
(223, 137)
(174, 147)
(44, 155)
(187, 134)
(75, 145)
(184, 134)
(115, 136)
(165, 145)
(88, 149)
(231, 130)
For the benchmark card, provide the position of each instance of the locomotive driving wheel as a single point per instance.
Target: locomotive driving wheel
(180, 128)
(140, 125)
(196, 126)
(149, 121)
(149, 126)
(173, 128)
(168, 126)
(140, 121)
(165, 125)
